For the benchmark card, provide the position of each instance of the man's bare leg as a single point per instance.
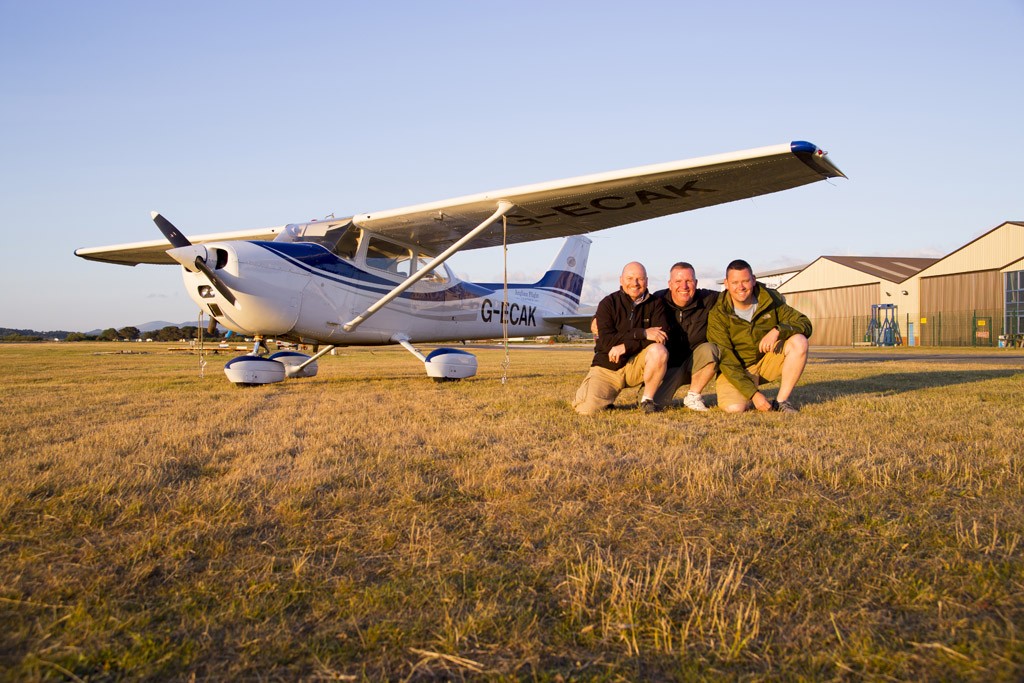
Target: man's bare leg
(795, 351)
(701, 378)
(737, 407)
(655, 365)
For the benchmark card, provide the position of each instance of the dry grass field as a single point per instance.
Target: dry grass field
(370, 524)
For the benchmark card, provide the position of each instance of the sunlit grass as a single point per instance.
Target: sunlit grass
(369, 523)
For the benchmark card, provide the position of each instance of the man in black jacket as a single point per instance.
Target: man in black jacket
(691, 358)
(630, 346)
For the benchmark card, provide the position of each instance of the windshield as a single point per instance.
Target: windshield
(340, 237)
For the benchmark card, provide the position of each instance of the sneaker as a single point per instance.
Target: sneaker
(649, 406)
(694, 401)
(783, 407)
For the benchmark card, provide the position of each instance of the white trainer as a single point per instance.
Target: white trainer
(694, 401)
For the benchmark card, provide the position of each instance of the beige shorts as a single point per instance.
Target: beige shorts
(601, 386)
(704, 354)
(768, 369)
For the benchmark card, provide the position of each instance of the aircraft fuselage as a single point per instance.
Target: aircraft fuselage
(302, 290)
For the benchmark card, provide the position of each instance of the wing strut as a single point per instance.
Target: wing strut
(311, 359)
(503, 208)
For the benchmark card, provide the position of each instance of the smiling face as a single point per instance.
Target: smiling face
(634, 280)
(682, 283)
(740, 284)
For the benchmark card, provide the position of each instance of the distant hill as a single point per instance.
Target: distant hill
(160, 324)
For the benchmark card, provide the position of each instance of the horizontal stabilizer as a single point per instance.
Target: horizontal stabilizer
(581, 320)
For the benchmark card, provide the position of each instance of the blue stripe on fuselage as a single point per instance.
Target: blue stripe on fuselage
(561, 282)
(317, 260)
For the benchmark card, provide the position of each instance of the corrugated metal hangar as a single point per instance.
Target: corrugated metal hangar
(972, 296)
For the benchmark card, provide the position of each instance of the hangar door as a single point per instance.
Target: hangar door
(840, 315)
(962, 309)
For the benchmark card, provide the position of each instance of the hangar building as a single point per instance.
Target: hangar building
(972, 296)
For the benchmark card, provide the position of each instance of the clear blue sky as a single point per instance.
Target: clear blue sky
(229, 115)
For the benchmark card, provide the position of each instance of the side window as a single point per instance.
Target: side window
(392, 258)
(348, 243)
(436, 275)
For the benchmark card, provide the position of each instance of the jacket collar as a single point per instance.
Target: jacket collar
(646, 295)
(762, 298)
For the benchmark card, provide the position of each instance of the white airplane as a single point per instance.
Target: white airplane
(380, 278)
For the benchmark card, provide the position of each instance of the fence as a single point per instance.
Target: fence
(961, 328)
(941, 328)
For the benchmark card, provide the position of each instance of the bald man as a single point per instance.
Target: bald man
(630, 346)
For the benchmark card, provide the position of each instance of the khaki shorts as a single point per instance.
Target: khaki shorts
(768, 369)
(704, 354)
(601, 386)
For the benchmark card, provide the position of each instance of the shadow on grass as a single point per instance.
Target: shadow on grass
(892, 383)
(885, 384)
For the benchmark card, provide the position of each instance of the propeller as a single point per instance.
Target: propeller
(174, 236)
(170, 232)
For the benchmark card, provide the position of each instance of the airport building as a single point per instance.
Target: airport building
(973, 296)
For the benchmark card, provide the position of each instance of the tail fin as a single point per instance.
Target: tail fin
(564, 278)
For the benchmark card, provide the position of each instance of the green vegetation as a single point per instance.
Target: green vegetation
(370, 524)
(170, 333)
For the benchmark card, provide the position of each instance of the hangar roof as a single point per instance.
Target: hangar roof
(765, 274)
(780, 271)
(993, 250)
(891, 268)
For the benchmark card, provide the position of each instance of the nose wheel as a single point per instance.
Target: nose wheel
(259, 343)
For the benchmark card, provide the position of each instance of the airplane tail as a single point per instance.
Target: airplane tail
(563, 281)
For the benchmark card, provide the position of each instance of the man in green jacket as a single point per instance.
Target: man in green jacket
(761, 339)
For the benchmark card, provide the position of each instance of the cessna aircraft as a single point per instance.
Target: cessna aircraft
(380, 278)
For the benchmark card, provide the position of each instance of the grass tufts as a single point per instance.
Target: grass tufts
(368, 524)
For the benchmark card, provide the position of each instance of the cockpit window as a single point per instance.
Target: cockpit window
(384, 255)
(348, 242)
(436, 275)
(341, 236)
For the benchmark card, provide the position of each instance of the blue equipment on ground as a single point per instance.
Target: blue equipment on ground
(884, 329)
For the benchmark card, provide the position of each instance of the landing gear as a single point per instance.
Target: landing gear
(443, 365)
(250, 370)
(259, 343)
(256, 368)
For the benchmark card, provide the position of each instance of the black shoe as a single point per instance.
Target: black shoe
(649, 406)
(784, 407)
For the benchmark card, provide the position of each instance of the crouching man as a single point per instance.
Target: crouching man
(630, 346)
(760, 339)
(692, 360)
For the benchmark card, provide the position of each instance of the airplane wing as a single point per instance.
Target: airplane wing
(563, 207)
(595, 202)
(155, 251)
